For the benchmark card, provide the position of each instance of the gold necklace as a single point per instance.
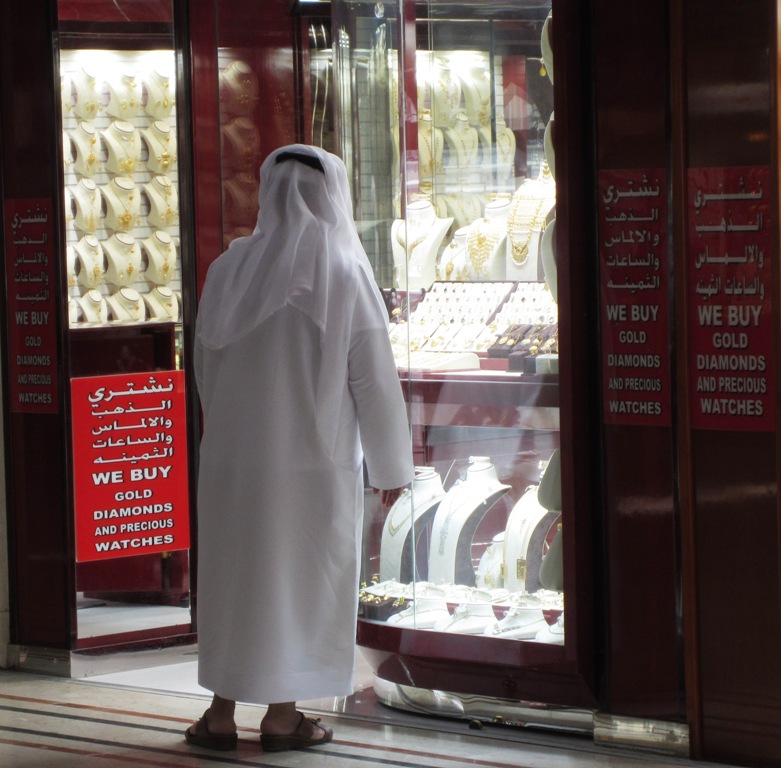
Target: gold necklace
(128, 165)
(431, 146)
(526, 226)
(130, 83)
(91, 157)
(125, 221)
(505, 146)
(467, 150)
(169, 217)
(413, 245)
(166, 158)
(89, 223)
(451, 250)
(480, 245)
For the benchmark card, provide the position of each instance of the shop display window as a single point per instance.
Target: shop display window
(444, 115)
(123, 262)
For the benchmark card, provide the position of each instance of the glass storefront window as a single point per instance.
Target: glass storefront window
(445, 120)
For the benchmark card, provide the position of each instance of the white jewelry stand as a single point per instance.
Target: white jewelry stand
(457, 518)
(552, 634)
(161, 258)
(468, 619)
(405, 519)
(548, 146)
(90, 262)
(160, 98)
(423, 613)
(163, 202)
(489, 571)
(93, 307)
(485, 244)
(87, 201)
(123, 259)
(415, 243)
(463, 143)
(526, 527)
(74, 312)
(476, 87)
(88, 99)
(505, 150)
(452, 259)
(465, 208)
(70, 265)
(85, 142)
(521, 622)
(162, 304)
(123, 204)
(531, 205)
(126, 306)
(239, 88)
(161, 147)
(549, 260)
(241, 144)
(547, 48)
(124, 96)
(66, 93)
(445, 94)
(123, 148)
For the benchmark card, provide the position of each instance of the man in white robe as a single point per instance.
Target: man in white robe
(298, 385)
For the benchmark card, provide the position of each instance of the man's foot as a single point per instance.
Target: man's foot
(200, 735)
(308, 733)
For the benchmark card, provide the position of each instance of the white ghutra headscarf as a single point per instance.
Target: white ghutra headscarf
(305, 252)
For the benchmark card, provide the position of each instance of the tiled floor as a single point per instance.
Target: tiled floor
(137, 719)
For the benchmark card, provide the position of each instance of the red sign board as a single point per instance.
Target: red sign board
(32, 320)
(130, 465)
(729, 269)
(632, 227)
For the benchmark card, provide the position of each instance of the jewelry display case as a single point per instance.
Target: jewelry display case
(445, 118)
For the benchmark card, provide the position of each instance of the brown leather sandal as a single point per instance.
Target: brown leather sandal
(296, 740)
(199, 735)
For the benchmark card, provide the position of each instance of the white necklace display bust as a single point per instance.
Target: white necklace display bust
(85, 141)
(161, 258)
(162, 304)
(161, 147)
(163, 202)
(123, 204)
(90, 262)
(415, 243)
(413, 510)
(93, 307)
(457, 518)
(123, 259)
(126, 306)
(123, 148)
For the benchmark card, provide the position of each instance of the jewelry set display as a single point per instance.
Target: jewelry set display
(531, 205)
(438, 588)
(463, 140)
(121, 195)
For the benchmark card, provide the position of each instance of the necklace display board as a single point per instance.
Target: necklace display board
(120, 174)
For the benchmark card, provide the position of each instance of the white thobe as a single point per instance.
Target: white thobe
(279, 521)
